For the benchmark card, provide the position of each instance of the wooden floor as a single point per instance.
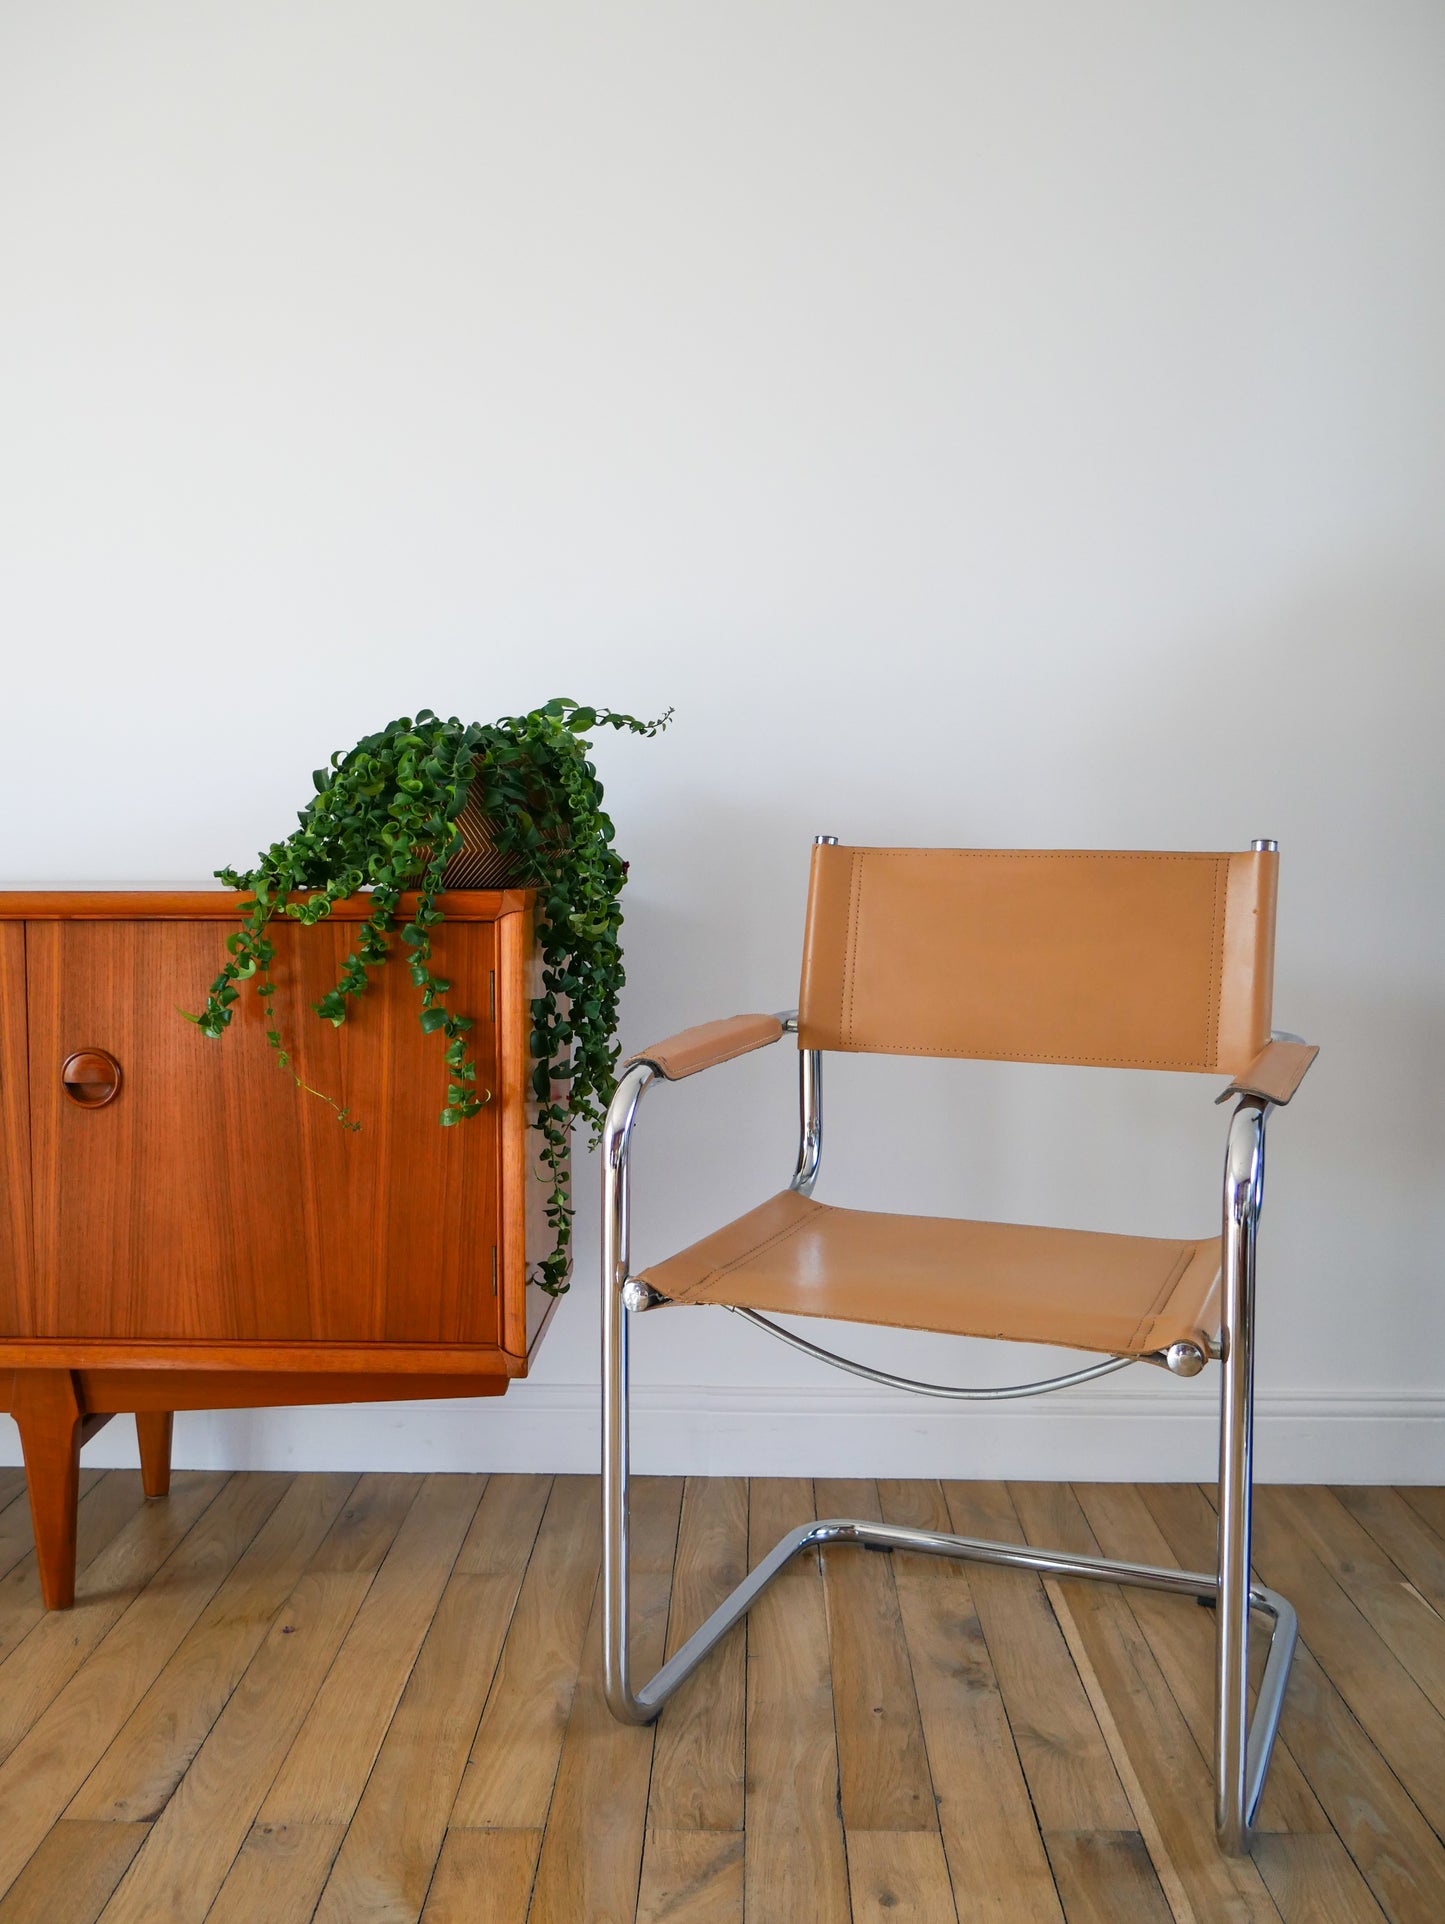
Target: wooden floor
(376, 1701)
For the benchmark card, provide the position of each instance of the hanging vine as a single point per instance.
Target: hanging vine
(385, 818)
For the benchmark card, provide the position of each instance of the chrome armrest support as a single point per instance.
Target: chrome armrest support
(1238, 1774)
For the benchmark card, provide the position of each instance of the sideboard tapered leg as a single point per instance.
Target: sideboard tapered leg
(153, 1427)
(48, 1411)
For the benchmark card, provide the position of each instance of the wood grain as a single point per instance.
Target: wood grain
(278, 1874)
(301, 1758)
(992, 1843)
(483, 1877)
(1398, 1853)
(513, 1766)
(212, 903)
(895, 1876)
(796, 1870)
(692, 1876)
(51, 1762)
(1066, 1762)
(149, 1756)
(59, 1644)
(1428, 1503)
(16, 1245)
(327, 1767)
(592, 1850)
(697, 1771)
(154, 1434)
(107, 1504)
(1407, 1622)
(51, 1419)
(1181, 1637)
(1404, 1724)
(1400, 1531)
(882, 1761)
(184, 1862)
(1313, 1878)
(384, 1867)
(1153, 1745)
(384, 1235)
(70, 1878)
(1105, 1877)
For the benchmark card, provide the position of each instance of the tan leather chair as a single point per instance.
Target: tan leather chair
(1122, 960)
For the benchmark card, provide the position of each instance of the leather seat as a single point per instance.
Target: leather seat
(1126, 1295)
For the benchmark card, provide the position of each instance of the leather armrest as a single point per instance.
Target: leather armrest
(710, 1042)
(1276, 1072)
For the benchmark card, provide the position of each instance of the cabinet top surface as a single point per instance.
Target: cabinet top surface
(104, 902)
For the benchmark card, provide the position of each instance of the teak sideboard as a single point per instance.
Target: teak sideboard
(181, 1227)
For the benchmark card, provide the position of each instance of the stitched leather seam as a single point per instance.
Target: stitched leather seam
(850, 959)
(1028, 1055)
(719, 1270)
(1170, 1284)
(1048, 854)
(1215, 1012)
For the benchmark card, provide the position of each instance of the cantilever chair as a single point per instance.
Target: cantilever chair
(1158, 961)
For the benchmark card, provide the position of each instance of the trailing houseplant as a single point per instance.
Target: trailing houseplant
(387, 816)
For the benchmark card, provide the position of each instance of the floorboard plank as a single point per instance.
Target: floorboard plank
(325, 1771)
(180, 1869)
(51, 1762)
(1406, 1621)
(592, 1850)
(1107, 1877)
(1314, 1880)
(1403, 1535)
(692, 1876)
(883, 1764)
(1181, 1636)
(1402, 1722)
(895, 1876)
(1066, 1762)
(483, 1877)
(995, 1854)
(796, 1868)
(152, 1751)
(17, 1537)
(1428, 1503)
(337, 1698)
(35, 1673)
(1400, 1857)
(1135, 1703)
(384, 1867)
(513, 1766)
(278, 1875)
(70, 1878)
(113, 1500)
(697, 1770)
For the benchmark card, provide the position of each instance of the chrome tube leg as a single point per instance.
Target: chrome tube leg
(616, 1671)
(1244, 1173)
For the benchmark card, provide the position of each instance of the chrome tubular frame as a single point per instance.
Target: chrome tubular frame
(1242, 1747)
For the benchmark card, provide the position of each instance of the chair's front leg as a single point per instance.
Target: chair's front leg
(1236, 1785)
(616, 1670)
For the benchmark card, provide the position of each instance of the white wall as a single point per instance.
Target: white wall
(986, 424)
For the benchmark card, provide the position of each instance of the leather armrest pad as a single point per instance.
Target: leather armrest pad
(1276, 1072)
(710, 1042)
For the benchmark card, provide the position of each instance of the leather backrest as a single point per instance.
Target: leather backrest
(1126, 960)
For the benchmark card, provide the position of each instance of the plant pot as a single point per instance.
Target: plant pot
(478, 863)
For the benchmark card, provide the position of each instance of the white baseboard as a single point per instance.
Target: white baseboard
(1301, 1436)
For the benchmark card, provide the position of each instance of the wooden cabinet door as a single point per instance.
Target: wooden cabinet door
(212, 1200)
(15, 1262)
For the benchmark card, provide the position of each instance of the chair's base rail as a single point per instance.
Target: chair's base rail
(643, 1706)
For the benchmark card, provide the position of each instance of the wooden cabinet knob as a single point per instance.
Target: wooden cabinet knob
(90, 1078)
